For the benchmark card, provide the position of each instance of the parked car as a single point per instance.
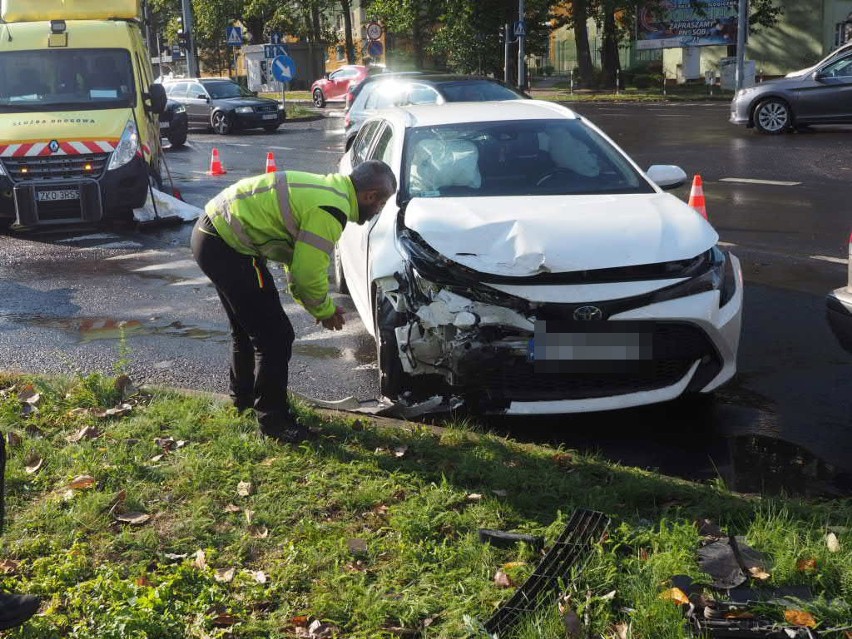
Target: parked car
(404, 89)
(174, 123)
(333, 87)
(528, 265)
(821, 94)
(223, 105)
(839, 309)
(355, 89)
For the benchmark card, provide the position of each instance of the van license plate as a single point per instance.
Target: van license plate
(270, 116)
(57, 195)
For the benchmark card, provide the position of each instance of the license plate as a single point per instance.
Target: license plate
(270, 116)
(164, 125)
(603, 343)
(57, 195)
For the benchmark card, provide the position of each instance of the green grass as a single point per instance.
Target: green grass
(673, 94)
(372, 529)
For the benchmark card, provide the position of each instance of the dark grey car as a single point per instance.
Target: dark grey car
(821, 94)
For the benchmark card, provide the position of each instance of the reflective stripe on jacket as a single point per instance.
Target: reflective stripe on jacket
(290, 217)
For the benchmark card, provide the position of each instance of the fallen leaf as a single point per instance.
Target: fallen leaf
(68, 495)
(29, 395)
(759, 573)
(98, 412)
(622, 631)
(232, 508)
(224, 620)
(8, 566)
(806, 565)
(400, 451)
(706, 528)
(357, 566)
(82, 482)
(563, 460)
(200, 559)
(225, 575)
(28, 409)
(166, 443)
(512, 565)
(245, 488)
(142, 581)
(300, 620)
(180, 443)
(118, 411)
(502, 580)
(322, 630)
(381, 510)
(174, 556)
(739, 614)
(609, 596)
(357, 546)
(675, 594)
(800, 618)
(249, 516)
(500, 492)
(474, 497)
(87, 432)
(33, 464)
(13, 439)
(832, 542)
(260, 577)
(134, 518)
(258, 532)
(157, 458)
(644, 554)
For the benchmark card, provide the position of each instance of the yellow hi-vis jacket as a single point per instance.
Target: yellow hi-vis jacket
(290, 217)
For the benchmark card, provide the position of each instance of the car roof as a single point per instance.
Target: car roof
(461, 112)
(202, 80)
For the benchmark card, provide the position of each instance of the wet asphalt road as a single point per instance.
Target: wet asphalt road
(784, 423)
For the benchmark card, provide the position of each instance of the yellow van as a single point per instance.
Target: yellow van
(79, 130)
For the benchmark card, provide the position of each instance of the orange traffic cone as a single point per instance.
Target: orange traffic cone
(696, 197)
(216, 167)
(270, 163)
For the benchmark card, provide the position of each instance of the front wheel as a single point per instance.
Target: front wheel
(221, 123)
(339, 280)
(773, 116)
(319, 99)
(392, 378)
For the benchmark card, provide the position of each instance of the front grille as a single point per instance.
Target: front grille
(266, 108)
(676, 347)
(56, 167)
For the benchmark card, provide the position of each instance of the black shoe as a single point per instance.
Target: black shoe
(292, 435)
(16, 609)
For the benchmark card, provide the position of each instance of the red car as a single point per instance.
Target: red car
(334, 86)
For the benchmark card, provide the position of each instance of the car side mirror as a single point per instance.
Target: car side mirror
(666, 176)
(158, 98)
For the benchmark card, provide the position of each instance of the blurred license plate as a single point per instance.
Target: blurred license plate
(605, 342)
(57, 195)
(164, 125)
(270, 116)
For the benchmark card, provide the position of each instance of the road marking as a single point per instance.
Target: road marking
(767, 182)
(166, 265)
(141, 254)
(826, 258)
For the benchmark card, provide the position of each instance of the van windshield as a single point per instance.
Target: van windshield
(64, 79)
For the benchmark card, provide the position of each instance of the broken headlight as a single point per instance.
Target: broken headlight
(719, 276)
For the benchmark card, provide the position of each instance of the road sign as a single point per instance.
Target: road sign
(274, 50)
(234, 36)
(275, 37)
(374, 31)
(283, 68)
(520, 29)
(375, 48)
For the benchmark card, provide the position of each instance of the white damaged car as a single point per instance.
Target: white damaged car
(529, 266)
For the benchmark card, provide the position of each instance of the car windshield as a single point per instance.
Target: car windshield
(528, 157)
(476, 91)
(64, 79)
(218, 90)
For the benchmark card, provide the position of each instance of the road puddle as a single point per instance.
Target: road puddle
(363, 353)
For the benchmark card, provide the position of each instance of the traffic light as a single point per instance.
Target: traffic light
(183, 40)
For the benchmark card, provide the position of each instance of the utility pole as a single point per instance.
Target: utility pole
(742, 30)
(188, 24)
(522, 75)
(506, 43)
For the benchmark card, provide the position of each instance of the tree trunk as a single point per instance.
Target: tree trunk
(347, 28)
(609, 55)
(581, 37)
(255, 27)
(316, 24)
(417, 37)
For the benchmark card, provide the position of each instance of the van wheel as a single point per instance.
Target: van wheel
(319, 98)
(220, 122)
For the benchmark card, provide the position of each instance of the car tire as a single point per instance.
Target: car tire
(220, 122)
(177, 140)
(392, 379)
(338, 279)
(271, 128)
(319, 98)
(773, 116)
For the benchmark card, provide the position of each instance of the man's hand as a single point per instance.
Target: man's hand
(335, 322)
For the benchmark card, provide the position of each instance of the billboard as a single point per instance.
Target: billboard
(667, 24)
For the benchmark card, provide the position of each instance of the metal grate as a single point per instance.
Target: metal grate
(566, 558)
(56, 167)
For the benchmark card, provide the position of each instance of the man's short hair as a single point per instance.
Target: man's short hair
(373, 175)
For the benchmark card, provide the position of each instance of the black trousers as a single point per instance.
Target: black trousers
(262, 336)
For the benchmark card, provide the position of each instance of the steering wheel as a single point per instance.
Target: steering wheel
(552, 173)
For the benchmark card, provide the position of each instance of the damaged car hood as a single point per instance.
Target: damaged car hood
(525, 236)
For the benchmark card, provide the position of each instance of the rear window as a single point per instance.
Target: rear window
(477, 91)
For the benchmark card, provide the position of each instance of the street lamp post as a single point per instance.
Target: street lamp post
(191, 60)
(742, 30)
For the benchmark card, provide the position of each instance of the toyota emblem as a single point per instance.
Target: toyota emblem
(588, 313)
(54, 146)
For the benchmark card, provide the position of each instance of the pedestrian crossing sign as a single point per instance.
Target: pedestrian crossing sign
(234, 36)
